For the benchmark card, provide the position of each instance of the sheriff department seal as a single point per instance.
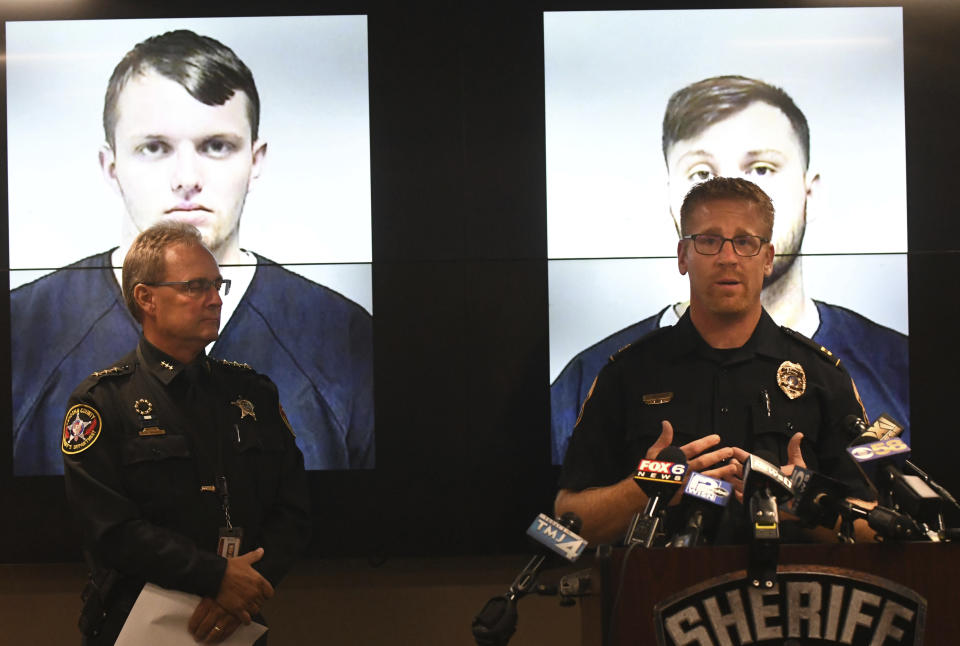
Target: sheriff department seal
(81, 428)
(791, 379)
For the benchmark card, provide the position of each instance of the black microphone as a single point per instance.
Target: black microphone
(659, 479)
(888, 523)
(878, 462)
(821, 500)
(883, 428)
(704, 500)
(817, 499)
(764, 485)
(497, 620)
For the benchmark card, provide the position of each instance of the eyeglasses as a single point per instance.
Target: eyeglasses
(709, 244)
(197, 286)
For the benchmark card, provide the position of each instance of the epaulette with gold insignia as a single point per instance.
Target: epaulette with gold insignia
(111, 372)
(233, 364)
(825, 354)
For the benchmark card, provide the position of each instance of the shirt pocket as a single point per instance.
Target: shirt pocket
(772, 432)
(644, 430)
(158, 469)
(259, 458)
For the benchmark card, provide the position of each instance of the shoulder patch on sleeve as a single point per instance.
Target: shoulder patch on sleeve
(81, 428)
(821, 351)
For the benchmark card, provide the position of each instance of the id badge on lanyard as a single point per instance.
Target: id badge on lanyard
(231, 538)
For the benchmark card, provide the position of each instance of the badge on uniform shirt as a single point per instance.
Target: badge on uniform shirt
(245, 406)
(791, 379)
(81, 428)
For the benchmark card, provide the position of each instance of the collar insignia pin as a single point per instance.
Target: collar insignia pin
(245, 406)
(791, 379)
(166, 365)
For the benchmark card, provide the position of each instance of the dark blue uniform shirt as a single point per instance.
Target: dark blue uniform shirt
(315, 343)
(875, 356)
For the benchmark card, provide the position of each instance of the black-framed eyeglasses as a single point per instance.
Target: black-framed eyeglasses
(709, 244)
(197, 286)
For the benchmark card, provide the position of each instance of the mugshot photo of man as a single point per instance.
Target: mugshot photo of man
(183, 142)
(732, 125)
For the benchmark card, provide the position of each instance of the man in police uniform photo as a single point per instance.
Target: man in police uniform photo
(181, 120)
(722, 382)
(174, 461)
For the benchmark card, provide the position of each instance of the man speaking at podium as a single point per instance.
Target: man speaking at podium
(723, 382)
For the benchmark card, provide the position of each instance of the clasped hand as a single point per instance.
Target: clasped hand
(243, 591)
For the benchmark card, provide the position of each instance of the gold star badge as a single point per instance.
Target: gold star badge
(166, 365)
(245, 406)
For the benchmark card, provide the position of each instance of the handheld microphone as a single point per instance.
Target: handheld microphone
(705, 498)
(497, 620)
(659, 479)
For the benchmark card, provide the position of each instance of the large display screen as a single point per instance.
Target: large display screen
(746, 88)
(293, 233)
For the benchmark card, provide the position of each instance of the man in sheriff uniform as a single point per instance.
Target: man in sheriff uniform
(175, 462)
(721, 383)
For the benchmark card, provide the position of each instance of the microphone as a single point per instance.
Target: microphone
(497, 620)
(764, 485)
(883, 428)
(659, 479)
(705, 499)
(560, 537)
(888, 523)
(817, 499)
(909, 494)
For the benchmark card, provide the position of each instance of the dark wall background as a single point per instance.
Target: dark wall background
(460, 280)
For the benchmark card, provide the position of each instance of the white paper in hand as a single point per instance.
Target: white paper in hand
(160, 616)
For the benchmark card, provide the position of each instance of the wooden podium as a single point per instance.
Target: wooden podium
(655, 578)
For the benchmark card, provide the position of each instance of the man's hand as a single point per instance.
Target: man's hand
(699, 457)
(243, 590)
(794, 455)
(210, 623)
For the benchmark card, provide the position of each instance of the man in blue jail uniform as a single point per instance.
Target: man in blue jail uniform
(181, 121)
